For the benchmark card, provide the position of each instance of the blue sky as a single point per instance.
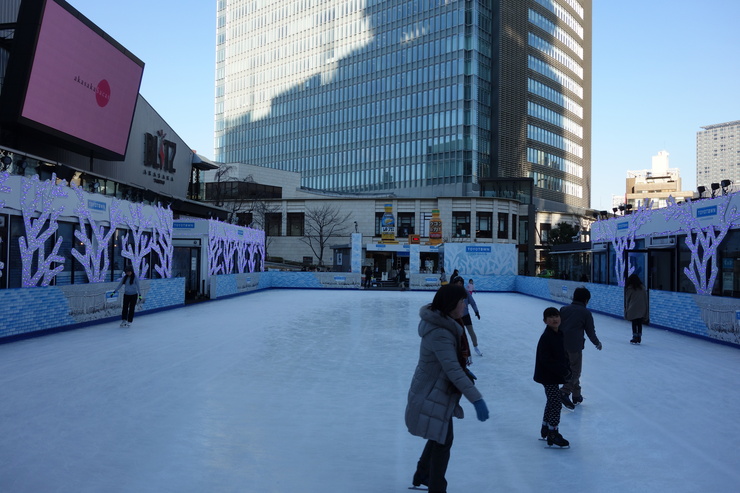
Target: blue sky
(662, 69)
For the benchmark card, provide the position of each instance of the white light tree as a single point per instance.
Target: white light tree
(40, 221)
(229, 242)
(627, 242)
(242, 257)
(3, 189)
(162, 241)
(703, 241)
(94, 257)
(215, 249)
(137, 250)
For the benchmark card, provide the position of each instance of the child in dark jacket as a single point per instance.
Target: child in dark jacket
(551, 369)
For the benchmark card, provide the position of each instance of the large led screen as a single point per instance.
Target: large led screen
(81, 84)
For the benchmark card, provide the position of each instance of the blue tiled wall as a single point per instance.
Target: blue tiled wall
(50, 308)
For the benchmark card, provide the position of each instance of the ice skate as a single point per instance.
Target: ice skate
(555, 438)
(566, 401)
(123, 323)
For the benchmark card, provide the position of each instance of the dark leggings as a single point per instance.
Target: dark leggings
(553, 406)
(637, 326)
(129, 304)
(432, 464)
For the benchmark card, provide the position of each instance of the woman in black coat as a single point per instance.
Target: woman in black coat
(551, 369)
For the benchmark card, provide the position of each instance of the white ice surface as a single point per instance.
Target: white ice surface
(304, 391)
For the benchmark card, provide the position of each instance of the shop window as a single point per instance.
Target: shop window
(461, 224)
(503, 226)
(523, 231)
(545, 233)
(406, 224)
(378, 222)
(244, 219)
(296, 221)
(484, 225)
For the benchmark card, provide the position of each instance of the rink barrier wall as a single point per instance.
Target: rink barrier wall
(54, 308)
(707, 317)
(40, 310)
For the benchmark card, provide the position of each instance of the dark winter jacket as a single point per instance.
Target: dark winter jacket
(439, 379)
(551, 365)
(635, 304)
(575, 321)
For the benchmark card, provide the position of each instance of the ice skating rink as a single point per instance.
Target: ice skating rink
(297, 391)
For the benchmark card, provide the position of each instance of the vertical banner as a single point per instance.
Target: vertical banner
(388, 225)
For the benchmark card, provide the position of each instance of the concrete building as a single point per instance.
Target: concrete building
(276, 202)
(653, 185)
(718, 158)
(418, 99)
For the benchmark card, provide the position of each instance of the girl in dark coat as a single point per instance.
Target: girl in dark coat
(551, 369)
(636, 308)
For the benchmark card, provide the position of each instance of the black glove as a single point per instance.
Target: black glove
(477, 315)
(598, 346)
(471, 375)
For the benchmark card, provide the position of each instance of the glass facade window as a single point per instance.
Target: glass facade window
(553, 30)
(484, 226)
(405, 224)
(557, 9)
(554, 140)
(538, 111)
(503, 226)
(273, 224)
(555, 96)
(461, 224)
(296, 222)
(558, 76)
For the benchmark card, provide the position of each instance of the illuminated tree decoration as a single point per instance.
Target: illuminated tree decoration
(627, 242)
(229, 241)
(162, 241)
(3, 189)
(242, 257)
(137, 250)
(37, 198)
(94, 258)
(703, 241)
(215, 248)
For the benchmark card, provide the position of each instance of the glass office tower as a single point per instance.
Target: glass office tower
(418, 97)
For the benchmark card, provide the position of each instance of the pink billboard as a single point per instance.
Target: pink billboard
(80, 84)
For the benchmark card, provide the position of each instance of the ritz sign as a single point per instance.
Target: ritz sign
(159, 153)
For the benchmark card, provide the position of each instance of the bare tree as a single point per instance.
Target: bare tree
(322, 224)
(230, 192)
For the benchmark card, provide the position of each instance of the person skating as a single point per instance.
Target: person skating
(131, 294)
(441, 378)
(636, 307)
(551, 369)
(575, 321)
(466, 319)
